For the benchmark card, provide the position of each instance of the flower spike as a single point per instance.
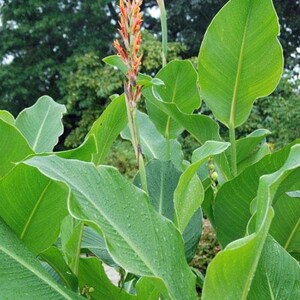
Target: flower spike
(130, 32)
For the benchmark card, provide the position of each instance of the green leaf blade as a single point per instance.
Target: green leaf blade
(41, 124)
(23, 277)
(35, 208)
(240, 61)
(103, 197)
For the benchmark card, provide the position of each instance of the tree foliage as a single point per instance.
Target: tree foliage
(38, 38)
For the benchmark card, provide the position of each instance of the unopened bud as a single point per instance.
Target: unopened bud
(214, 176)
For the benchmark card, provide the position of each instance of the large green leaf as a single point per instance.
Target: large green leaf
(201, 127)
(180, 79)
(22, 276)
(33, 206)
(232, 203)
(102, 196)
(54, 258)
(153, 144)
(189, 193)
(13, 147)
(162, 180)
(94, 282)
(41, 124)
(95, 243)
(286, 224)
(108, 126)
(239, 261)
(277, 275)
(240, 61)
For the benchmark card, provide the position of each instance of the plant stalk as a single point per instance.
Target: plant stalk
(164, 54)
(131, 113)
(233, 149)
(164, 31)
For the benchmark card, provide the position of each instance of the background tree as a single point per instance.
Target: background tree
(39, 39)
(55, 47)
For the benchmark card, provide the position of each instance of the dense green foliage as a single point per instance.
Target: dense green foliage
(56, 48)
(56, 206)
(44, 39)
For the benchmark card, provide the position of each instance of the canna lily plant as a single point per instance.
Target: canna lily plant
(63, 215)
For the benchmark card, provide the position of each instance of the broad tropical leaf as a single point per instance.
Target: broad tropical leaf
(180, 79)
(102, 196)
(162, 180)
(33, 206)
(54, 258)
(277, 275)
(232, 203)
(240, 59)
(189, 193)
(153, 144)
(243, 255)
(41, 124)
(107, 127)
(22, 276)
(14, 147)
(286, 224)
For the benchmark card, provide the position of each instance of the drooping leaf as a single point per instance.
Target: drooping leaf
(189, 193)
(153, 144)
(94, 283)
(240, 61)
(22, 276)
(232, 203)
(54, 258)
(180, 79)
(243, 255)
(33, 206)
(108, 126)
(13, 149)
(41, 124)
(102, 196)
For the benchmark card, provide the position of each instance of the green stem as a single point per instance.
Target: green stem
(233, 149)
(164, 31)
(131, 113)
(164, 54)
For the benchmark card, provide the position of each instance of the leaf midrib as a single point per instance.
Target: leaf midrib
(40, 129)
(117, 228)
(288, 242)
(35, 272)
(238, 75)
(34, 210)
